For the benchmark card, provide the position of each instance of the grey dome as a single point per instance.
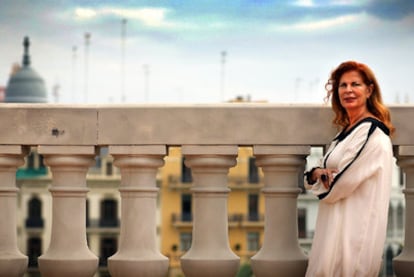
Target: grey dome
(26, 86)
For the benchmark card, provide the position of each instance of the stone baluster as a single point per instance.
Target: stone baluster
(280, 253)
(12, 262)
(68, 254)
(138, 254)
(210, 253)
(404, 263)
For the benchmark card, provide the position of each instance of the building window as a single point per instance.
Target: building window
(98, 161)
(109, 169)
(390, 223)
(109, 213)
(87, 213)
(185, 241)
(108, 248)
(401, 176)
(253, 207)
(186, 176)
(31, 161)
(400, 217)
(34, 217)
(41, 162)
(253, 171)
(101, 158)
(34, 250)
(253, 243)
(186, 203)
(302, 222)
(388, 263)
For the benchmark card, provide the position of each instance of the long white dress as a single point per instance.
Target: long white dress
(352, 218)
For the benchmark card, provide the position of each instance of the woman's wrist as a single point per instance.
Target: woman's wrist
(309, 176)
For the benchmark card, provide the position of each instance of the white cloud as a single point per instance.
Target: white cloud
(85, 13)
(321, 24)
(328, 23)
(304, 3)
(153, 17)
(350, 2)
(311, 3)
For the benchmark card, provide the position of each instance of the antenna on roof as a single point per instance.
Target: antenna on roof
(26, 57)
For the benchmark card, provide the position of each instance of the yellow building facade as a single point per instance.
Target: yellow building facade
(245, 207)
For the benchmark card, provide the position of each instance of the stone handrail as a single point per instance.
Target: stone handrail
(138, 137)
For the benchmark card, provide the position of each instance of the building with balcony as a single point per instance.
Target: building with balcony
(245, 207)
(102, 217)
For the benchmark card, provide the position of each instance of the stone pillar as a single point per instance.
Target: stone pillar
(138, 254)
(404, 263)
(12, 262)
(210, 253)
(280, 253)
(68, 254)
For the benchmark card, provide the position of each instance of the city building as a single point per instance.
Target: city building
(25, 85)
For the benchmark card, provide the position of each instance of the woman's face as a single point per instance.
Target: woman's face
(353, 92)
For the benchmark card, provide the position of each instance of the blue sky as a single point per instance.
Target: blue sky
(276, 51)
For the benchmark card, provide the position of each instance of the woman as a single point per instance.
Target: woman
(353, 181)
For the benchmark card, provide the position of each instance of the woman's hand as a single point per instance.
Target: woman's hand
(325, 175)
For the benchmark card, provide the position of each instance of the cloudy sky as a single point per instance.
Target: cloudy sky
(171, 51)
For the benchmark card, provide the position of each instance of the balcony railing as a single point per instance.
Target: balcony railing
(138, 138)
(234, 183)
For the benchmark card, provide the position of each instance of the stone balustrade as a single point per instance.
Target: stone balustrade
(138, 138)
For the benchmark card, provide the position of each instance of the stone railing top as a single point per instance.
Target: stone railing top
(198, 124)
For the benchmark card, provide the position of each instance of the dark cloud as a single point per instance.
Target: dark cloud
(391, 10)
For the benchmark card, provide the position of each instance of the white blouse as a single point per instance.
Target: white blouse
(352, 218)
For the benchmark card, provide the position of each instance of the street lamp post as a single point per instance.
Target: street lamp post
(146, 81)
(87, 42)
(123, 36)
(223, 62)
(74, 57)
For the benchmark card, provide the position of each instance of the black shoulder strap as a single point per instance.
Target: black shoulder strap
(374, 124)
